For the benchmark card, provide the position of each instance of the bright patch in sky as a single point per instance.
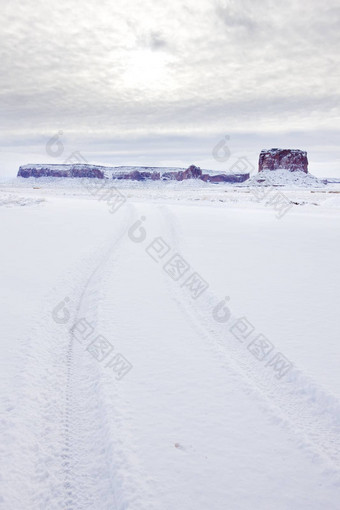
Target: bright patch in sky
(147, 69)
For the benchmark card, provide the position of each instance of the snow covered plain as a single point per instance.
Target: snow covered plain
(180, 351)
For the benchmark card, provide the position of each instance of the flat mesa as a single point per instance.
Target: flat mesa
(133, 173)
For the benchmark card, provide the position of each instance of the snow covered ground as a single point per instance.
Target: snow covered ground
(169, 346)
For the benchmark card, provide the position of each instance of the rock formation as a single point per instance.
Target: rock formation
(90, 171)
(128, 173)
(289, 159)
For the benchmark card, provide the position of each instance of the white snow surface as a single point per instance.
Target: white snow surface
(283, 177)
(198, 422)
(11, 199)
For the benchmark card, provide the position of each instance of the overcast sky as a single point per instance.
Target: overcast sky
(154, 82)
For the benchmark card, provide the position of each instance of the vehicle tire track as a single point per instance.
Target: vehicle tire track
(303, 407)
(82, 405)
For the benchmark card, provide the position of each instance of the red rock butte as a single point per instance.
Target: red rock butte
(289, 159)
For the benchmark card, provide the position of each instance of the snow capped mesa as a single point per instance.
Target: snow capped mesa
(289, 159)
(134, 173)
(284, 167)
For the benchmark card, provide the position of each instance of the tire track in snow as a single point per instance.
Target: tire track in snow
(82, 403)
(310, 414)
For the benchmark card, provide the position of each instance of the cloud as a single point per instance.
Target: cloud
(200, 68)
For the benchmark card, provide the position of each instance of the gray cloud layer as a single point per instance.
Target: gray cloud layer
(203, 68)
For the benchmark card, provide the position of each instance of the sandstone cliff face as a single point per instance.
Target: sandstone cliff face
(127, 173)
(193, 172)
(136, 175)
(61, 171)
(233, 178)
(289, 159)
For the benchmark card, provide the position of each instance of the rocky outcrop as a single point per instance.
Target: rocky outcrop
(288, 159)
(136, 175)
(73, 171)
(193, 172)
(233, 178)
(128, 173)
